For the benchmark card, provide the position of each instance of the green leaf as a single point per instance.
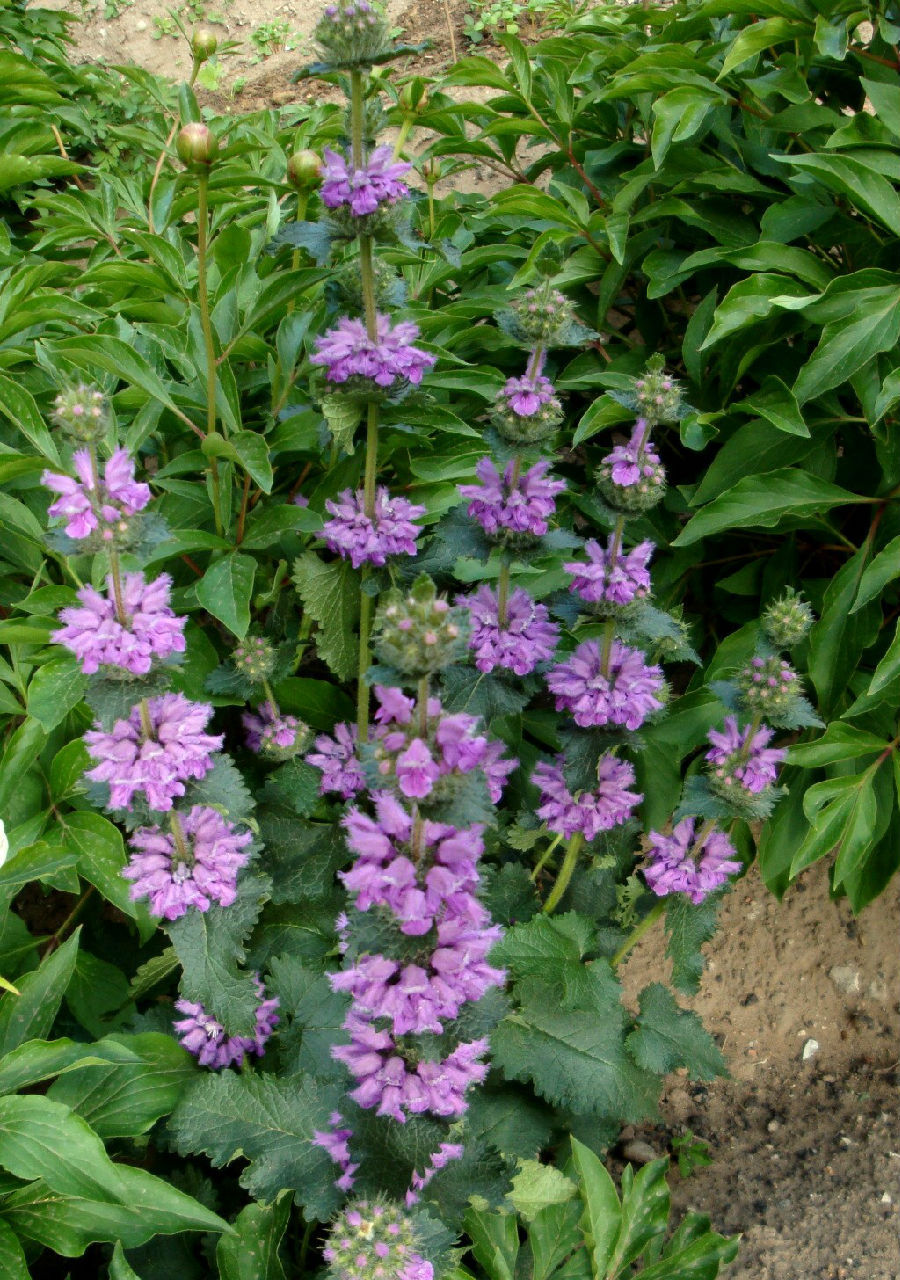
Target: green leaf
(864, 188)
(749, 302)
(839, 637)
(777, 404)
(688, 927)
(840, 742)
(119, 1266)
(883, 570)
(153, 972)
(252, 453)
(30, 1014)
(225, 590)
(759, 36)
(343, 417)
(761, 501)
(44, 860)
(699, 1260)
(850, 341)
(124, 1098)
(67, 769)
(19, 406)
(252, 1254)
(679, 115)
(15, 171)
(13, 1264)
(537, 1185)
(888, 668)
(602, 1212)
(211, 945)
(23, 83)
(56, 688)
(544, 943)
(667, 1037)
(645, 1211)
(269, 1121)
(40, 1138)
(22, 749)
(495, 1242)
(842, 815)
(101, 859)
(330, 595)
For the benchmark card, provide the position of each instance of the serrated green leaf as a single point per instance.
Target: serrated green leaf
(667, 1037)
(268, 1121)
(343, 417)
(330, 595)
(688, 927)
(152, 972)
(225, 590)
(537, 1185)
(531, 949)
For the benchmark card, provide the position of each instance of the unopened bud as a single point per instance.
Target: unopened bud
(203, 44)
(657, 396)
(414, 96)
(196, 145)
(82, 412)
(432, 170)
(304, 170)
(543, 313)
(254, 658)
(353, 32)
(420, 633)
(787, 621)
(769, 686)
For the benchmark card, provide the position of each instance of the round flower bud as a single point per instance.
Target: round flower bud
(769, 686)
(419, 633)
(353, 32)
(542, 313)
(374, 1240)
(82, 412)
(432, 170)
(304, 170)
(519, 429)
(414, 96)
(203, 44)
(787, 621)
(196, 145)
(658, 397)
(254, 658)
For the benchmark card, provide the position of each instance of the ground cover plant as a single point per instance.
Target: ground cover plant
(350, 742)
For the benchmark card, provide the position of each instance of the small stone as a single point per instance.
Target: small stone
(887, 1198)
(846, 979)
(810, 1049)
(773, 1126)
(878, 990)
(639, 1152)
(141, 25)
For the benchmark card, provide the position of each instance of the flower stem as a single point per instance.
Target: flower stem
(357, 120)
(573, 849)
(146, 722)
(367, 276)
(115, 572)
(362, 689)
(206, 325)
(545, 857)
(503, 592)
(422, 707)
(179, 837)
(639, 930)
(302, 200)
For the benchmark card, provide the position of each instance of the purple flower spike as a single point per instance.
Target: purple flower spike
(389, 361)
(681, 863)
(612, 576)
(363, 190)
(199, 872)
(626, 694)
(526, 638)
(589, 812)
(158, 765)
(519, 505)
(340, 765)
(370, 540)
(526, 395)
(742, 758)
(86, 509)
(208, 1040)
(97, 637)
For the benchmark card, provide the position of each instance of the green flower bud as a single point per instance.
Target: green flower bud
(542, 313)
(419, 634)
(196, 145)
(203, 44)
(353, 32)
(304, 170)
(254, 659)
(769, 686)
(787, 621)
(414, 96)
(658, 397)
(82, 412)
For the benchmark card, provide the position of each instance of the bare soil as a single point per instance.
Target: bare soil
(803, 998)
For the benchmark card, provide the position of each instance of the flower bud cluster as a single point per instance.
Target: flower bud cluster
(419, 634)
(82, 412)
(787, 621)
(543, 313)
(254, 659)
(768, 686)
(374, 1240)
(353, 33)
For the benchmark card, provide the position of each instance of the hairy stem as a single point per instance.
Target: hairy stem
(422, 707)
(639, 930)
(573, 849)
(545, 857)
(115, 572)
(209, 344)
(503, 592)
(362, 689)
(146, 722)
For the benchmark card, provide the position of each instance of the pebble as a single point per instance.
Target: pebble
(639, 1152)
(773, 1126)
(140, 26)
(846, 979)
(887, 1198)
(810, 1049)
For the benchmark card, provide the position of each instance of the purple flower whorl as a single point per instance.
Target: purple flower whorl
(337, 758)
(206, 1038)
(526, 638)
(363, 191)
(193, 868)
(87, 509)
(587, 812)
(372, 539)
(98, 638)
(690, 862)
(368, 366)
(157, 765)
(512, 509)
(626, 694)
(612, 578)
(742, 759)
(631, 475)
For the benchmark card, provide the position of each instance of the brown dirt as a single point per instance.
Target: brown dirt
(806, 1154)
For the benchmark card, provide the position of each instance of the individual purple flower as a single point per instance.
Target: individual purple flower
(363, 190)
(695, 863)
(625, 693)
(340, 765)
(526, 638)
(272, 733)
(743, 757)
(588, 812)
(612, 576)
(517, 504)
(98, 638)
(336, 1141)
(416, 770)
(85, 507)
(194, 865)
(526, 395)
(631, 475)
(389, 361)
(206, 1038)
(158, 764)
(364, 539)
